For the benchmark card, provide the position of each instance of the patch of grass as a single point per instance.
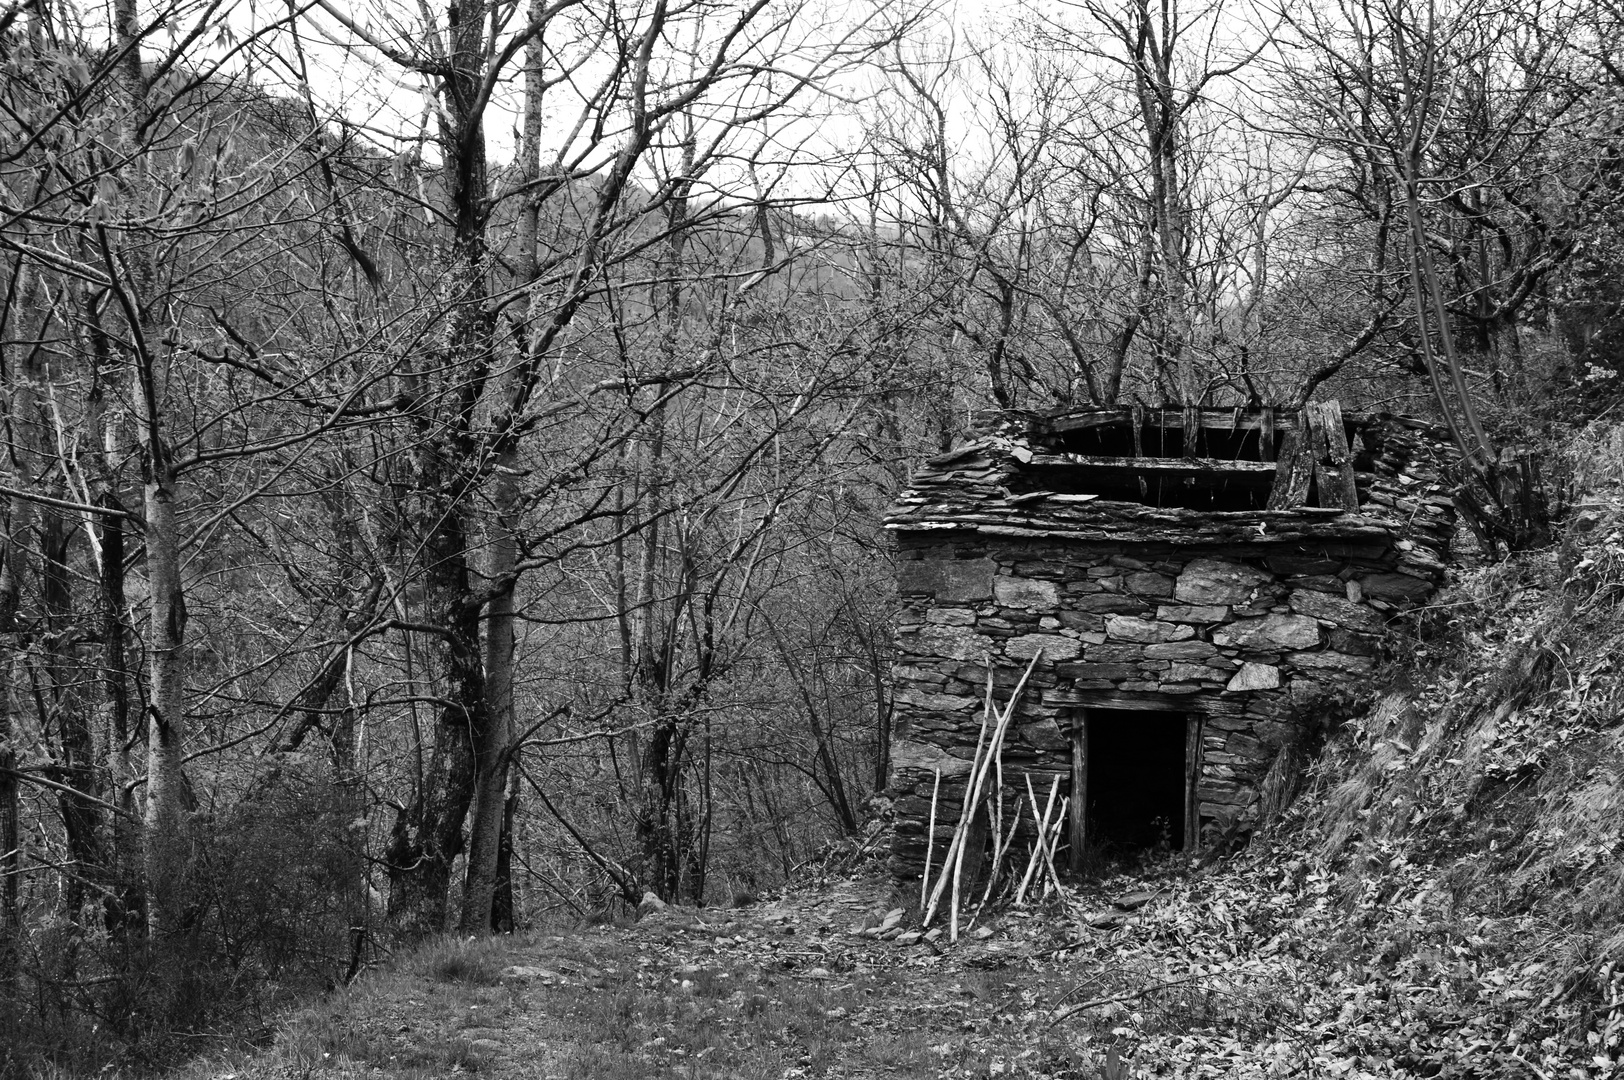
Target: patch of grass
(474, 962)
(715, 1021)
(407, 1019)
(613, 1010)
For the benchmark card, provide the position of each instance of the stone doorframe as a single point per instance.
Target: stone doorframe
(1077, 735)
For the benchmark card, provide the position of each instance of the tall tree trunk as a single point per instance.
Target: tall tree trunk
(79, 771)
(505, 906)
(488, 836)
(10, 808)
(663, 825)
(493, 741)
(350, 779)
(17, 422)
(166, 842)
(447, 461)
(427, 834)
(125, 904)
(166, 848)
(658, 827)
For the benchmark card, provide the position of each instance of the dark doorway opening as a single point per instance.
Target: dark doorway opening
(1138, 779)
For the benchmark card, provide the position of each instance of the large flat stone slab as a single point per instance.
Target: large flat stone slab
(1180, 650)
(927, 758)
(951, 580)
(951, 642)
(1026, 593)
(1271, 633)
(1395, 587)
(1337, 610)
(1254, 677)
(1145, 631)
(1217, 581)
(1054, 647)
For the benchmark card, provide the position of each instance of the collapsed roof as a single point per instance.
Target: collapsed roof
(1181, 475)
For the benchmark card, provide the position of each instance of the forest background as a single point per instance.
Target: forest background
(445, 448)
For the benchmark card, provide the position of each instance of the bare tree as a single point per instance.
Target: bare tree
(1452, 123)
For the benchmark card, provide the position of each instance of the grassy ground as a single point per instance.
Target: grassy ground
(786, 990)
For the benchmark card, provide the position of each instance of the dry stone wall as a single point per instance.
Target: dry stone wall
(1244, 619)
(1247, 639)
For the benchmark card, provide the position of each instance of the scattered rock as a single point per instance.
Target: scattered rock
(530, 974)
(1134, 901)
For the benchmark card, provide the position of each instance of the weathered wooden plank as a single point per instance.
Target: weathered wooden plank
(1077, 815)
(1319, 450)
(1192, 776)
(1192, 466)
(1084, 421)
(1292, 473)
(1258, 531)
(1206, 703)
(1213, 419)
(1139, 447)
(1333, 461)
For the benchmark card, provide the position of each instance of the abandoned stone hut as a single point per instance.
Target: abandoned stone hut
(1199, 582)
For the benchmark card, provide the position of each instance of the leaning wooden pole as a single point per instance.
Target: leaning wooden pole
(1052, 845)
(1036, 859)
(957, 841)
(930, 838)
(986, 753)
(1000, 852)
(995, 748)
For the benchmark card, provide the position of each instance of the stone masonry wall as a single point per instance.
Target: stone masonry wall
(1247, 638)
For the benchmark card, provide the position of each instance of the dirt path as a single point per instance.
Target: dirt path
(799, 986)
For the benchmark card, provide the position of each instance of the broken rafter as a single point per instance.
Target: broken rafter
(1170, 419)
(1154, 466)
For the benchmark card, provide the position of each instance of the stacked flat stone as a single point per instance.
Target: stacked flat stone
(1245, 619)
